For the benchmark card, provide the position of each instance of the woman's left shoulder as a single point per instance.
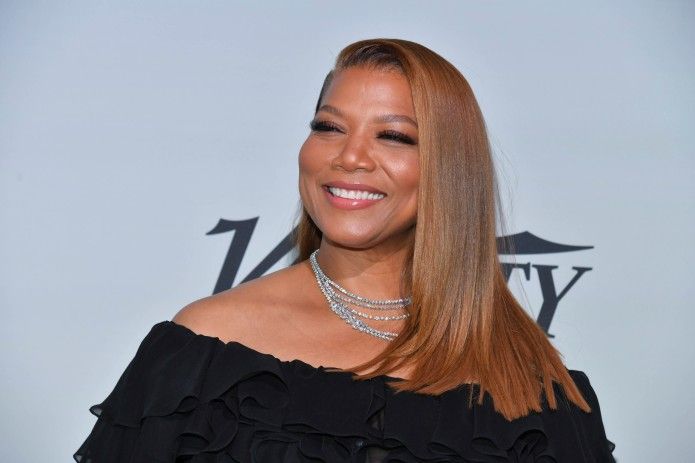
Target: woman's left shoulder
(573, 429)
(581, 380)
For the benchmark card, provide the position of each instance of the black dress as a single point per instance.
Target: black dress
(187, 397)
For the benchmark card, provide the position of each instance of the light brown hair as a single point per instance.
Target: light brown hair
(465, 324)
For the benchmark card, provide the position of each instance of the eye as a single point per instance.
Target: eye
(323, 126)
(397, 136)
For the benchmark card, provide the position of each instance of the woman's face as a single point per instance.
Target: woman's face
(358, 168)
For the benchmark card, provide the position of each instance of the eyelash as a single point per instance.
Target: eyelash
(325, 126)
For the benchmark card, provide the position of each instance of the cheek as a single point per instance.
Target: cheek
(407, 173)
(302, 158)
(408, 176)
(309, 166)
(309, 159)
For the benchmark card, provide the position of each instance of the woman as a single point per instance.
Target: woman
(394, 337)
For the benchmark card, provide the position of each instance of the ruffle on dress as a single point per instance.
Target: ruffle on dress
(187, 397)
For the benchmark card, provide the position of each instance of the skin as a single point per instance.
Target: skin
(365, 248)
(284, 313)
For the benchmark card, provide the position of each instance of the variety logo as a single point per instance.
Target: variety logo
(524, 243)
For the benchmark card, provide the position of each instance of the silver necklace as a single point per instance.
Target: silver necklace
(338, 300)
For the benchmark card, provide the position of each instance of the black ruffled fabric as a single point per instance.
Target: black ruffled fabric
(187, 397)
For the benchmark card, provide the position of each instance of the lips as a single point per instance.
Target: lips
(352, 196)
(353, 186)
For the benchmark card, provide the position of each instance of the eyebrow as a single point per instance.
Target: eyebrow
(383, 118)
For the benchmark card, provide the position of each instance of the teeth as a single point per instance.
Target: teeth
(354, 194)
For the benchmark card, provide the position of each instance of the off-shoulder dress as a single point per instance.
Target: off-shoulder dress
(187, 397)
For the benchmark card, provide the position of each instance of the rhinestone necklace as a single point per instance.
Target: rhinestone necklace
(338, 298)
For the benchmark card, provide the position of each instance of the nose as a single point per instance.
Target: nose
(354, 154)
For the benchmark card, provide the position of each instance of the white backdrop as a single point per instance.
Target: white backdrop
(128, 129)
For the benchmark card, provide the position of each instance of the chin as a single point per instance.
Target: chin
(352, 241)
(368, 240)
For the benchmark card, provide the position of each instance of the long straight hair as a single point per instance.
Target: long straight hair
(465, 327)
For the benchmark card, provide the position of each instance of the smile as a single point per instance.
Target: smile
(354, 194)
(343, 198)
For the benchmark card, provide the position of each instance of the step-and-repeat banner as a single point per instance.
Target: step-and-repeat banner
(148, 158)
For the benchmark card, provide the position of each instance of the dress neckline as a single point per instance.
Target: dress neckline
(321, 369)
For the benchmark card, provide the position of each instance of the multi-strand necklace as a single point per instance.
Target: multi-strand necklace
(338, 299)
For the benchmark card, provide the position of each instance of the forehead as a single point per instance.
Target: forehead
(366, 88)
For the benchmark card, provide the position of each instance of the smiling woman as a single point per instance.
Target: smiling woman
(394, 337)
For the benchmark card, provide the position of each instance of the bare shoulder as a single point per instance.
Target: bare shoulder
(248, 312)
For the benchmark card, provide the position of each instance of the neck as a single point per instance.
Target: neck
(374, 273)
